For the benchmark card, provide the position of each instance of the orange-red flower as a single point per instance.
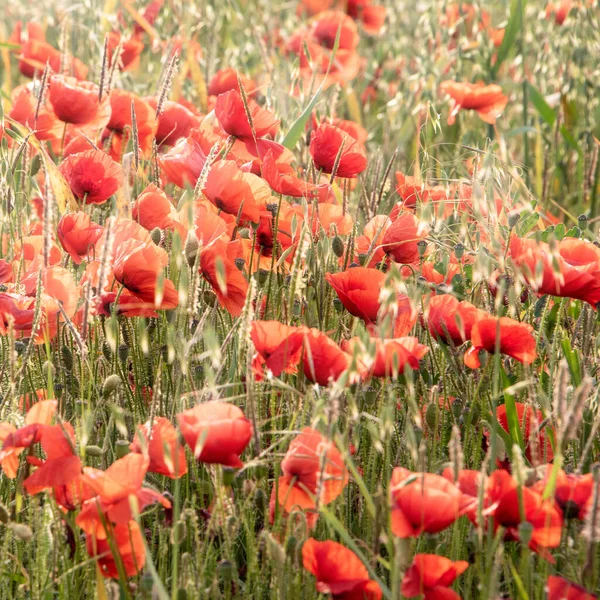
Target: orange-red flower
(78, 234)
(152, 208)
(430, 576)
(327, 142)
(504, 504)
(562, 589)
(23, 110)
(225, 80)
(216, 432)
(509, 336)
(131, 50)
(160, 441)
(450, 320)
(232, 117)
(183, 163)
(269, 337)
(92, 175)
(487, 100)
(572, 492)
(401, 239)
(282, 178)
(174, 122)
(77, 102)
(559, 10)
(339, 572)
(313, 473)
(358, 288)
(412, 190)
(422, 503)
(18, 311)
(138, 266)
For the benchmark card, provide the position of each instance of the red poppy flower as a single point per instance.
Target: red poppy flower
(422, 503)
(469, 481)
(77, 102)
(371, 16)
(325, 27)
(269, 337)
(152, 208)
(329, 218)
(121, 103)
(24, 104)
(282, 178)
(572, 272)
(129, 543)
(325, 145)
(18, 311)
(512, 338)
(160, 441)
(359, 289)
(92, 175)
(232, 290)
(502, 498)
(216, 432)
(525, 415)
(412, 190)
(78, 234)
(232, 117)
(449, 320)
(174, 122)
(392, 356)
(559, 10)
(562, 589)
(236, 192)
(431, 576)
(132, 47)
(6, 271)
(370, 243)
(487, 100)
(572, 492)
(226, 80)
(339, 571)
(183, 163)
(138, 266)
(313, 473)
(401, 239)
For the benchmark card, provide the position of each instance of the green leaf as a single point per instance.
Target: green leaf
(544, 110)
(527, 223)
(515, 21)
(295, 132)
(572, 358)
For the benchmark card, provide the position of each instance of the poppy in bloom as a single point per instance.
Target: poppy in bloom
(122, 104)
(77, 102)
(231, 290)
(412, 190)
(119, 495)
(563, 589)
(511, 337)
(92, 175)
(526, 416)
(330, 218)
(469, 483)
(504, 504)
(226, 80)
(128, 542)
(216, 432)
(572, 492)
(160, 441)
(174, 122)
(23, 111)
(131, 49)
(371, 16)
(18, 312)
(392, 356)
(183, 163)
(269, 337)
(236, 192)
(282, 178)
(358, 289)
(313, 473)
(450, 320)
(138, 266)
(422, 503)
(327, 142)
(572, 271)
(559, 10)
(430, 576)
(232, 117)
(339, 572)
(77, 234)
(401, 239)
(487, 100)
(152, 208)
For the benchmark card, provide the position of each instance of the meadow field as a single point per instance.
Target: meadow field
(299, 299)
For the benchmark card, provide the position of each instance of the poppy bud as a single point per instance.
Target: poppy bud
(459, 250)
(421, 281)
(240, 263)
(431, 416)
(290, 546)
(23, 532)
(362, 259)
(353, 265)
(525, 532)
(4, 514)
(67, 357)
(121, 448)
(272, 208)
(190, 250)
(48, 367)
(225, 570)
(421, 246)
(513, 218)
(94, 450)
(106, 351)
(262, 275)
(110, 385)
(370, 395)
(146, 584)
(456, 407)
(337, 304)
(157, 235)
(260, 500)
(209, 298)
(337, 246)
(244, 233)
(123, 352)
(442, 289)
(228, 476)
(582, 220)
(178, 533)
(20, 347)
